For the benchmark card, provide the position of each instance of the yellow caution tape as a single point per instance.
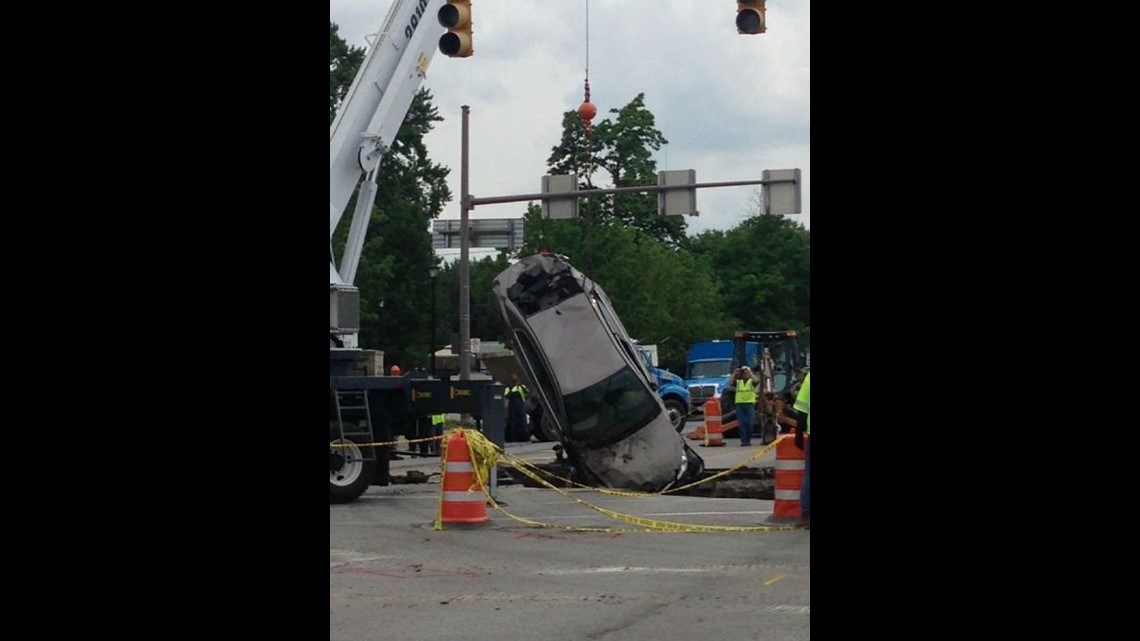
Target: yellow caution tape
(392, 443)
(485, 454)
(647, 525)
(759, 453)
(519, 463)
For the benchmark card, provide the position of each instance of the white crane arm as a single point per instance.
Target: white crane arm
(373, 110)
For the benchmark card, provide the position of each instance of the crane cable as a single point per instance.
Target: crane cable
(587, 111)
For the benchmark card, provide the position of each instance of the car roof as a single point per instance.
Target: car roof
(577, 344)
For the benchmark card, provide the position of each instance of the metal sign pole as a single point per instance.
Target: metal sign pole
(464, 350)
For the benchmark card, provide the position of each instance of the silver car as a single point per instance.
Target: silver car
(596, 395)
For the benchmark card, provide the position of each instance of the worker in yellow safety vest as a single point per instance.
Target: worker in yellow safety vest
(803, 412)
(744, 382)
(437, 422)
(516, 394)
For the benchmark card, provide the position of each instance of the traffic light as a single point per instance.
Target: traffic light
(750, 17)
(456, 17)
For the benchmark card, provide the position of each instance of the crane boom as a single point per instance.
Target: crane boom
(374, 107)
(365, 126)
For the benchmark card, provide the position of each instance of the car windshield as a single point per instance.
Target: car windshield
(709, 368)
(611, 409)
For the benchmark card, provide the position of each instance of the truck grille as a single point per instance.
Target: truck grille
(701, 393)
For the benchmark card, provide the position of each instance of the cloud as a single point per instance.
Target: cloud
(730, 105)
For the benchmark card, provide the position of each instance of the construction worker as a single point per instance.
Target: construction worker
(394, 371)
(516, 412)
(745, 383)
(803, 414)
(437, 422)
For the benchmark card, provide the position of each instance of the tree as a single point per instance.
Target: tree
(622, 148)
(764, 269)
(486, 321)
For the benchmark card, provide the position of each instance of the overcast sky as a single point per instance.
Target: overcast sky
(730, 105)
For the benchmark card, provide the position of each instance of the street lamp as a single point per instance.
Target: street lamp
(433, 273)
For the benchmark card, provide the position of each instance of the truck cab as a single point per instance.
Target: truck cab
(671, 388)
(708, 366)
(783, 349)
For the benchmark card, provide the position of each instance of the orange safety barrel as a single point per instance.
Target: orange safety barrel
(714, 434)
(461, 497)
(789, 477)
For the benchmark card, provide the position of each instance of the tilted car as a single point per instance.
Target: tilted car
(596, 395)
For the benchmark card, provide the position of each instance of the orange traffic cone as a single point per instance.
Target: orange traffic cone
(461, 496)
(789, 477)
(714, 435)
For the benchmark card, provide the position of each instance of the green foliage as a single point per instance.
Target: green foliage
(623, 149)
(764, 269)
(343, 63)
(486, 321)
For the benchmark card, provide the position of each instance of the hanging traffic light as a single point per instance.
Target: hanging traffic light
(456, 17)
(750, 17)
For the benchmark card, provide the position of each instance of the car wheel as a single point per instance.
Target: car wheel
(676, 411)
(547, 429)
(537, 432)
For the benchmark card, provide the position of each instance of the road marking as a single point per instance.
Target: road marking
(707, 513)
(573, 598)
(561, 517)
(613, 570)
(341, 558)
(794, 609)
(774, 579)
(384, 523)
(648, 570)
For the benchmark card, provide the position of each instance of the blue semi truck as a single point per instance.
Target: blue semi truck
(671, 388)
(708, 366)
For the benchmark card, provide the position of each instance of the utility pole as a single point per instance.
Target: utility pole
(434, 274)
(464, 268)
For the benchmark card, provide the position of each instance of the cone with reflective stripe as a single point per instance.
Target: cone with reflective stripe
(789, 477)
(461, 496)
(714, 434)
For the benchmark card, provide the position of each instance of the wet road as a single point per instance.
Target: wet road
(393, 576)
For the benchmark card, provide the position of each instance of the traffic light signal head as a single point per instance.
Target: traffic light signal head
(750, 16)
(456, 17)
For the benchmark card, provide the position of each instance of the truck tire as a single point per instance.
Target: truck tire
(349, 472)
(676, 411)
(769, 430)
